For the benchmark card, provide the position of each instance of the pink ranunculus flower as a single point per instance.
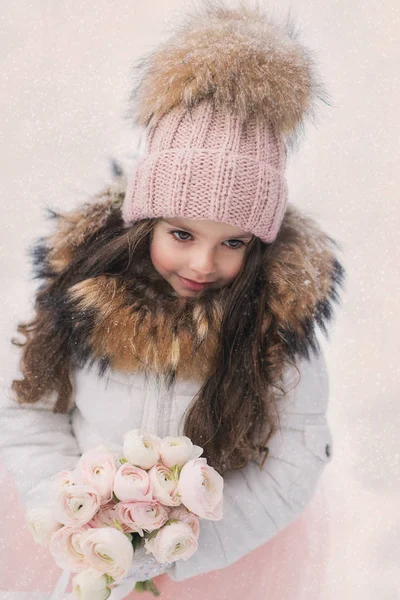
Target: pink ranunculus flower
(178, 451)
(42, 524)
(97, 468)
(141, 448)
(142, 515)
(164, 484)
(173, 542)
(65, 547)
(183, 514)
(124, 517)
(108, 551)
(107, 516)
(201, 489)
(132, 484)
(62, 480)
(76, 505)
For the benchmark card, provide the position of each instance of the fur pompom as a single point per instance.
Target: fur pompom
(239, 58)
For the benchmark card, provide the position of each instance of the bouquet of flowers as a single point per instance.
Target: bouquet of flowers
(111, 508)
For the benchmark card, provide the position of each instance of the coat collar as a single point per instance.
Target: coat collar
(145, 326)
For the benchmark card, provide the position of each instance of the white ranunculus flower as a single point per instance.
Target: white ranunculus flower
(141, 448)
(178, 451)
(90, 585)
(42, 524)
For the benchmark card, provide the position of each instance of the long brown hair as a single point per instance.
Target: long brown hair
(234, 414)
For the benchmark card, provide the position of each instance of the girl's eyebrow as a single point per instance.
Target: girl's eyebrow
(232, 237)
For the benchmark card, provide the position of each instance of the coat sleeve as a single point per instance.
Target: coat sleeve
(35, 444)
(260, 503)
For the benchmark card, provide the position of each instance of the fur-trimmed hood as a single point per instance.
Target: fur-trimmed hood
(140, 323)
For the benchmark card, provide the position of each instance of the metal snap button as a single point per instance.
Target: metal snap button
(328, 450)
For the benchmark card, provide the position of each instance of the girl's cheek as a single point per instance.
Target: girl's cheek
(234, 268)
(162, 255)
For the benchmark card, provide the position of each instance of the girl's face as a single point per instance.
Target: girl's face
(189, 253)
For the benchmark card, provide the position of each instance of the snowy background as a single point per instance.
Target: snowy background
(65, 78)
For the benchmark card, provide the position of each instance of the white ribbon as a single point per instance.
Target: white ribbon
(61, 585)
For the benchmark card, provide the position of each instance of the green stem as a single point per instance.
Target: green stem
(147, 586)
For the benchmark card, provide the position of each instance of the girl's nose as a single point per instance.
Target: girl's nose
(203, 263)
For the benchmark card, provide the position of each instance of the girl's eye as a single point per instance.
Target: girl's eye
(179, 239)
(239, 244)
(184, 236)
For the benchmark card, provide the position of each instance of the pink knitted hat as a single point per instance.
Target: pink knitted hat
(222, 101)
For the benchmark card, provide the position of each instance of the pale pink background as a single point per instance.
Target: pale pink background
(64, 69)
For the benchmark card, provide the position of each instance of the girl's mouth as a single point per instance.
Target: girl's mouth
(194, 285)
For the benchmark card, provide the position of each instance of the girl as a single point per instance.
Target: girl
(186, 299)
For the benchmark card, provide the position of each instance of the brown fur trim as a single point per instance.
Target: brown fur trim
(76, 227)
(240, 58)
(300, 270)
(173, 340)
(145, 327)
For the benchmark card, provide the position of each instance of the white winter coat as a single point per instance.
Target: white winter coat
(36, 443)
